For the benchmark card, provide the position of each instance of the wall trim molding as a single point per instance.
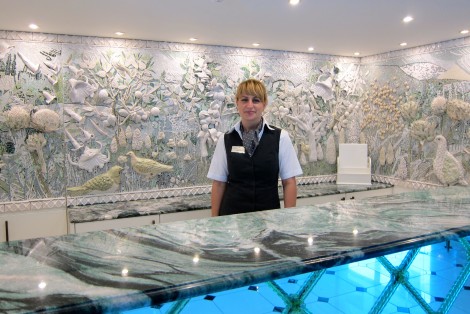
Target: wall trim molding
(424, 49)
(167, 46)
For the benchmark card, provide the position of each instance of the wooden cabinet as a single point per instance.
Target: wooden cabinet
(33, 224)
(114, 223)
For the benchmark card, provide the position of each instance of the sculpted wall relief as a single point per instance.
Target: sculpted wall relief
(81, 119)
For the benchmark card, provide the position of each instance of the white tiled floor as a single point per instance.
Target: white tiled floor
(353, 288)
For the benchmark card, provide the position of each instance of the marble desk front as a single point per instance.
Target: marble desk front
(118, 210)
(113, 270)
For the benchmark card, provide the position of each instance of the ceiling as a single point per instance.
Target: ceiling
(336, 27)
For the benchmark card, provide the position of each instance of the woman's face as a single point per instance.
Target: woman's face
(251, 110)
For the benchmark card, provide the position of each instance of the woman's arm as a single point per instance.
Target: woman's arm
(289, 187)
(218, 190)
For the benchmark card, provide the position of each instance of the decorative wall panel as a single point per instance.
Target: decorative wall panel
(416, 110)
(83, 116)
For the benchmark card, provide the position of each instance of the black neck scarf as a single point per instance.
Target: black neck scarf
(250, 137)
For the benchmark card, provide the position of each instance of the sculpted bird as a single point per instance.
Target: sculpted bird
(107, 182)
(147, 168)
(76, 71)
(448, 169)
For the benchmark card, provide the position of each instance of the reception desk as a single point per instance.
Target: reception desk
(124, 269)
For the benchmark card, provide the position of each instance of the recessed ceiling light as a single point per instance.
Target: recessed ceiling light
(119, 33)
(193, 39)
(465, 31)
(294, 2)
(407, 19)
(403, 44)
(311, 49)
(256, 44)
(33, 26)
(356, 53)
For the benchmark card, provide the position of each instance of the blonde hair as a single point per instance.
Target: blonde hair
(252, 87)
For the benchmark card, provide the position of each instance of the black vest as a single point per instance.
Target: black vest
(252, 183)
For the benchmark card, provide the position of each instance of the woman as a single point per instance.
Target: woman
(249, 159)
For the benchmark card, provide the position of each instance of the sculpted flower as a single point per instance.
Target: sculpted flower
(423, 130)
(458, 109)
(17, 118)
(439, 105)
(409, 110)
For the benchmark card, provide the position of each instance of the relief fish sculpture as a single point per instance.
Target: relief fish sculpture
(48, 97)
(87, 135)
(73, 115)
(33, 67)
(53, 67)
(72, 140)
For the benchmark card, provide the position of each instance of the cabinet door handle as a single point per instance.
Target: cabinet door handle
(153, 222)
(7, 236)
(343, 198)
(352, 197)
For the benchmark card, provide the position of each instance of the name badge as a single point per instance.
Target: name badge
(238, 149)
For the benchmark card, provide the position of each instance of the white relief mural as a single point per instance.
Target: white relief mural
(75, 113)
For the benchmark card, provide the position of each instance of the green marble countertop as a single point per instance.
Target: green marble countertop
(113, 270)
